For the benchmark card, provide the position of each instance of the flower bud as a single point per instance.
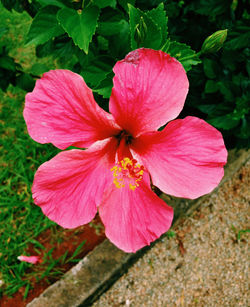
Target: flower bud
(214, 42)
(140, 31)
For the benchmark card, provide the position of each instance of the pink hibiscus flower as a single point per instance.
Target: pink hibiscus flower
(125, 151)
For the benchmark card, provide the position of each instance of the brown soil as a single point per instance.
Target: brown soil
(60, 240)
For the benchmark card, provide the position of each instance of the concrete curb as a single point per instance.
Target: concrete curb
(94, 274)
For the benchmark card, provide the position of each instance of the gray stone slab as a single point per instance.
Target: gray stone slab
(94, 274)
(88, 279)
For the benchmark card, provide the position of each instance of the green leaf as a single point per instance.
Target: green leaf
(5, 80)
(80, 25)
(38, 69)
(242, 83)
(182, 53)
(58, 3)
(61, 48)
(150, 3)
(211, 87)
(44, 49)
(242, 107)
(207, 108)
(97, 69)
(173, 8)
(211, 7)
(244, 131)
(209, 67)
(119, 50)
(144, 32)
(248, 67)
(12, 5)
(104, 3)
(240, 41)
(230, 58)
(105, 87)
(158, 15)
(44, 26)
(8, 63)
(226, 91)
(25, 82)
(3, 30)
(223, 122)
(111, 28)
(103, 43)
(124, 3)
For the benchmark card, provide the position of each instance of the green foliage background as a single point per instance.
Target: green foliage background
(89, 36)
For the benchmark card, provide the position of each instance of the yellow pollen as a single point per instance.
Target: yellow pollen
(129, 172)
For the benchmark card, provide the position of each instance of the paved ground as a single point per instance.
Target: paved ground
(205, 264)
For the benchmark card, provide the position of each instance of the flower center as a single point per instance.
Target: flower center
(126, 136)
(127, 172)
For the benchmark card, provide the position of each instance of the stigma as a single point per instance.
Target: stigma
(127, 172)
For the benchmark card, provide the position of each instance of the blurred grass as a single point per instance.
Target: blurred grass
(17, 28)
(20, 220)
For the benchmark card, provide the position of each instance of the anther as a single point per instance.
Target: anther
(127, 172)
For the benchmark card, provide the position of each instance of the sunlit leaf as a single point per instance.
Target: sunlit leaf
(80, 25)
(44, 26)
(158, 15)
(182, 53)
(144, 31)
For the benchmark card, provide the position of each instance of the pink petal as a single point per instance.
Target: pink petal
(70, 186)
(149, 90)
(61, 110)
(186, 159)
(29, 259)
(133, 219)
